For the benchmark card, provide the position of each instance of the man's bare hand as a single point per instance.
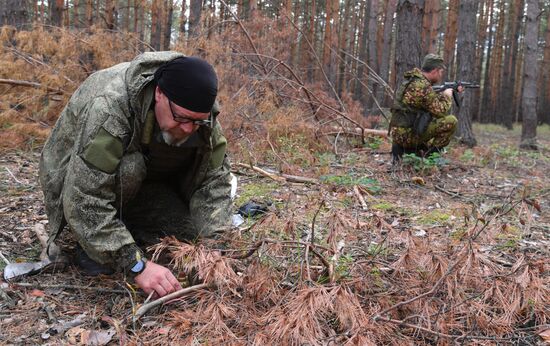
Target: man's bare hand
(448, 92)
(158, 279)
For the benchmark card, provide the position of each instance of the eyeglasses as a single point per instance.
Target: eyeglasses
(186, 120)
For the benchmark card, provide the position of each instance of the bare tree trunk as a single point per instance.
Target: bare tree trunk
(155, 24)
(195, 11)
(530, 68)
(89, 13)
(408, 49)
(14, 12)
(183, 20)
(544, 78)
(485, 99)
(465, 58)
(168, 27)
(386, 48)
(344, 47)
(480, 50)
(506, 104)
(360, 93)
(110, 14)
(450, 38)
(56, 15)
(372, 54)
(496, 71)
(328, 40)
(430, 25)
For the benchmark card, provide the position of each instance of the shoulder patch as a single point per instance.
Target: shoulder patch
(104, 152)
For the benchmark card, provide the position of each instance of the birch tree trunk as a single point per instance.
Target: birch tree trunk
(530, 68)
(465, 58)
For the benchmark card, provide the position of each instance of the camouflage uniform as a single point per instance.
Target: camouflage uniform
(416, 95)
(107, 173)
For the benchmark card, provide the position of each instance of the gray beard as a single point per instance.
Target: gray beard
(170, 140)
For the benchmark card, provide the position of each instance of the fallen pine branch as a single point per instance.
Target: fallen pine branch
(70, 287)
(443, 335)
(279, 178)
(146, 307)
(31, 84)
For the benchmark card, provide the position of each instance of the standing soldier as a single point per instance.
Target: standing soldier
(138, 153)
(416, 102)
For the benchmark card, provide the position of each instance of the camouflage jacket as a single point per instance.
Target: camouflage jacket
(415, 94)
(93, 162)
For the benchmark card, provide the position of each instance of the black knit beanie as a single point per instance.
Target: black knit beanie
(189, 82)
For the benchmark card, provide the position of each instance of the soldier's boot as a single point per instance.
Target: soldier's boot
(396, 153)
(88, 266)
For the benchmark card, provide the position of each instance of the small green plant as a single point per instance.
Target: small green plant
(434, 218)
(373, 142)
(343, 267)
(420, 164)
(468, 156)
(372, 185)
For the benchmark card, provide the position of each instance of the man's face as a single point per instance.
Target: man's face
(166, 111)
(436, 75)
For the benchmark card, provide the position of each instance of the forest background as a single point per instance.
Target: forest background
(446, 250)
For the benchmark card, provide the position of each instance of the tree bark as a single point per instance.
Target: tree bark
(530, 68)
(195, 11)
(485, 97)
(507, 104)
(391, 7)
(156, 14)
(56, 15)
(15, 13)
(450, 38)
(183, 20)
(431, 23)
(169, 6)
(408, 48)
(465, 58)
(544, 78)
(110, 14)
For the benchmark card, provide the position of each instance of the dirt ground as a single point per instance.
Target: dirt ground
(430, 205)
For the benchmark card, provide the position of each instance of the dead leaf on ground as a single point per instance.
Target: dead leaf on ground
(37, 293)
(418, 181)
(545, 335)
(97, 337)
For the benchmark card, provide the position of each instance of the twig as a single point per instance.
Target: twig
(31, 84)
(14, 178)
(4, 258)
(280, 178)
(443, 335)
(146, 307)
(262, 172)
(360, 198)
(70, 287)
(450, 193)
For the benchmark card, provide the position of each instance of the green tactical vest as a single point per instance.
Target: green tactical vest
(402, 114)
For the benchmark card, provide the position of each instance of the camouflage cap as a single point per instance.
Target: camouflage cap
(432, 61)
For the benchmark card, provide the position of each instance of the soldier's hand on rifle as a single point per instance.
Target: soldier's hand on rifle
(158, 279)
(460, 88)
(448, 92)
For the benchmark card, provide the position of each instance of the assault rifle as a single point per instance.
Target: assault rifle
(454, 85)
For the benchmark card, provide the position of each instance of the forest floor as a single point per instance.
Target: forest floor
(449, 250)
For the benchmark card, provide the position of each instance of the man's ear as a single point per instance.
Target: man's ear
(158, 93)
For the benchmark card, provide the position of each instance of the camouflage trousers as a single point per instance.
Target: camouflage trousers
(438, 134)
(158, 211)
